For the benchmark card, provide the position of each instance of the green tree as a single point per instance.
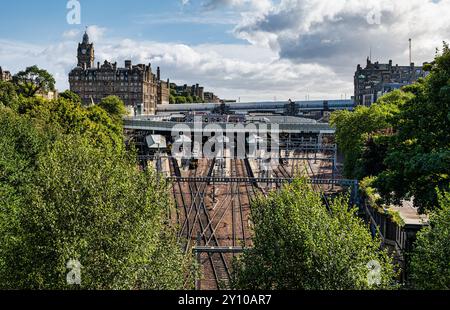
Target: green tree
(20, 144)
(70, 95)
(172, 99)
(66, 117)
(181, 99)
(8, 95)
(354, 129)
(114, 106)
(373, 154)
(430, 259)
(103, 129)
(189, 99)
(299, 244)
(94, 206)
(34, 80)
(197, 99)
(418, 159)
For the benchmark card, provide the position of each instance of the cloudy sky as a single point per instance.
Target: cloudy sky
(248, 49)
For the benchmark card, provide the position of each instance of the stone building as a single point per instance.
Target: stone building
(140, 89)
(5, 75)
(49, 95)
(211, 98)
(193, 91)
(378, 79)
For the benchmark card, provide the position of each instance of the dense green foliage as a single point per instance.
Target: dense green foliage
(70, 95)
(403, 139)
(418, 160)
(70, 191)
(185, 97)
(299, 244)
(181, 99)
(430, 260)
(114, 106)
(33, 80)
(358, 131)
(8, 95)
(92, 205)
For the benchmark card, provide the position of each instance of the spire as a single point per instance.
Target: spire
(86, 37)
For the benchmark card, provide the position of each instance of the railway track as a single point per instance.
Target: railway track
(218, 265)
(243, 197)
(317, 187)
(207, 222)
(177, 191)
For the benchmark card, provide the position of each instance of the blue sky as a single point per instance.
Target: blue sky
(248, 49)
(36, 21)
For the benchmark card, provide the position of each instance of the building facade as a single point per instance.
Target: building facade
(5, 75)
(211, 98)
(377, 79)
(193, 91)
(140, 89)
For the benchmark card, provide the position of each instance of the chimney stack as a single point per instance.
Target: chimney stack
(158, 74)
(128, 64)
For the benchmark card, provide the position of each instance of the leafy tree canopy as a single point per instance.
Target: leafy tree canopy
(69, 190)
(94, 206)
(299, 244)
(114, 106)
(34, 80)
(180, 99)
(403, 139)
(355, 128)
(70, 95)
(8, 94)
(66, 117)
(430, 260)
(418, 160)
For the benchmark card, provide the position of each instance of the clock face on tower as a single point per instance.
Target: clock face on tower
(83, 51)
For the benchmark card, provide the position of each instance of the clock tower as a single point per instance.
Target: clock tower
(86, 53)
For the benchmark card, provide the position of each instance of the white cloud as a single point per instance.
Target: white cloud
(296, 47)
(237, 70)
(71, 34)
(54, 58)
(343, 31)
(232, 71)
(339, 34)
(95, 32)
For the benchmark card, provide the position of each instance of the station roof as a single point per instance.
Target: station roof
(156, 141)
